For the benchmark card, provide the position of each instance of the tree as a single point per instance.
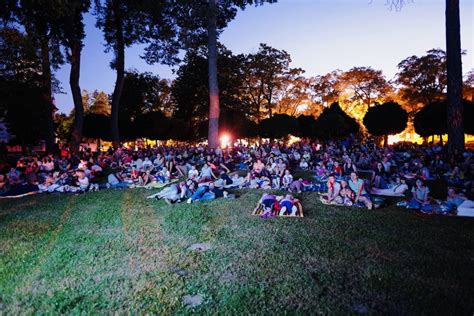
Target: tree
(294, 96)
(386, 119)
(326, 88)
(96, 126)
(307, 126)
(454, 87)
(97, 103)
(468, 113)
(468, 91)
(364, 85)
(140, 95)
(64, 125)
(153, 125)
(190, 90)
(422, 79)
(266, 73)
(39, 21)
(124, 23)
(334, 123)
(199, 23)
(278, 126)
(234, 123)
(25, 112)
(72, 26)
(22, 104)
(432, 119)
(454, 74)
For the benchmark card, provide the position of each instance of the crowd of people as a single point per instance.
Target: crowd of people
(346, 172)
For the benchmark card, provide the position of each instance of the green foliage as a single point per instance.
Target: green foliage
(307, 126)
(25, 110)
(423, 79)
(334, 123)
(97, 103)
(153, 125)
(278, 126)
(64, 126)
(97, 126)
(191, 92)
(386, 119)
(142, 93)
(468, 114)
(432, 119)
(367, 85)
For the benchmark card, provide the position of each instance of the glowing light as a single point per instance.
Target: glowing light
(293, 139)
(225, 140)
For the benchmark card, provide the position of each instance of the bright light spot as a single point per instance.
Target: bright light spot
(225, 140)
(293, 139)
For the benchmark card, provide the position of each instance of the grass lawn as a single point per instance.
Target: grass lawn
(114, 251)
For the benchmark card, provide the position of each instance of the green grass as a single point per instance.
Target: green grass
(114, 251)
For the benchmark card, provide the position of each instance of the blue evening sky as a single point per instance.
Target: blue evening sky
(320, 35)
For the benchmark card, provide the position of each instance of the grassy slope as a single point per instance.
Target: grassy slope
(116, 251)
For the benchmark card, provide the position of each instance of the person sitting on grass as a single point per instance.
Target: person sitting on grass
(357, 186)
(13, 177)
(3, 184)
(163, 176)
(420, 199)
(332, 196)
(347, 195)
(206, 174)
(379, 177)
(193, 173)
(116, 181)
(287, 180)
(81, 183)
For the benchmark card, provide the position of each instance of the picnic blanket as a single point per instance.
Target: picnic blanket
(275, 212)
(157, 185)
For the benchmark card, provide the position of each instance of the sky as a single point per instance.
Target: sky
(320, 36)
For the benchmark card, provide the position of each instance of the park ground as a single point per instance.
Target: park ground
(115, 251)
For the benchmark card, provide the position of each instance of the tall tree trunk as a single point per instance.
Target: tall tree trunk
(47, 94)
(453, 53)
(76, 136)
(120, 69)
(213, 133)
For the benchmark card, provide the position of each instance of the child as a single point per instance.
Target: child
(287, 179)
(268, 202)
(346, 194)
(287, 205)
(193, 173)
(163, 176)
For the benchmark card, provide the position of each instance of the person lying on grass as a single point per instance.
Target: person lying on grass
(175, 193)
(278, 204)
(398, 188)
(207, 193)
